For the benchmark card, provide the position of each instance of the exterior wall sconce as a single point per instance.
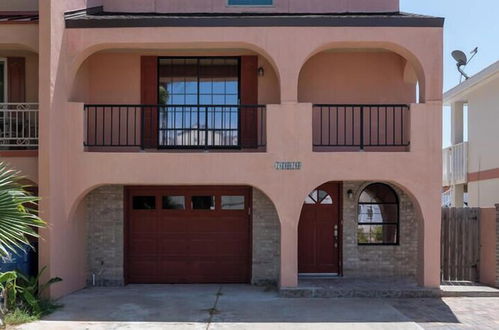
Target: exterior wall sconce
(261, 71)
(350, 194)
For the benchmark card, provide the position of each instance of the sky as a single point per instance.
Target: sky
(468, 24)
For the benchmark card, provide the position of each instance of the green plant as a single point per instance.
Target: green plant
(19, 316)
(8, 288)
(31, 290)
(18, 219)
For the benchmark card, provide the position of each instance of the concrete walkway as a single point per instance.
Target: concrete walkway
(240, 307)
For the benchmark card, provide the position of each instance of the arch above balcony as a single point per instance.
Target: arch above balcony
(269, 80)
(358, 72)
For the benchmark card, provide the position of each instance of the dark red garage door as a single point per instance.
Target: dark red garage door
(188, 235)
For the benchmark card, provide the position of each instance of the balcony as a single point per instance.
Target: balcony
(114, 127)
(455, 164)
(18, 126)
(349, 127)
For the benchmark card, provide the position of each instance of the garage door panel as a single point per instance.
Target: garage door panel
(138, 264)
(173, 246)
(185, 245)
(168, 224)
(143, 246)
(144, 223)
(227, 247)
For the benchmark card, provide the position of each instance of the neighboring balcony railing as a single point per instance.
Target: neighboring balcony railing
(455, 164)
(361, 127)
(18, 126)
(175, 126)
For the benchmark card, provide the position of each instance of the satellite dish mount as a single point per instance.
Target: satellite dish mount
(462, 61)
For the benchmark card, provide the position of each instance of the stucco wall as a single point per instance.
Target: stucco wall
(488, 246)
(372, 261)
(484, 194)
(355, 77)
(18, 5)
(483, 116)
(301, 6)
(497, 245)
(115, 78)
(266, 240)
(27, 165)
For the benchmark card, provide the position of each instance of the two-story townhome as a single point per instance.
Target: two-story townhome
(227, 141)
(472, 166)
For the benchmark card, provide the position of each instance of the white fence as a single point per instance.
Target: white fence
(18, 126)
(455, 164)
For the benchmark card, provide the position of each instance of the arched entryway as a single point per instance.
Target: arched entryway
(319, 231)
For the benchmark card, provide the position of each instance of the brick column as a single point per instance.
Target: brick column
(497, 245)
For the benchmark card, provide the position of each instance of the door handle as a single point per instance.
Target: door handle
(335, 236)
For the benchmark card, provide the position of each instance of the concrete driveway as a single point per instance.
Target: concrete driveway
(233, 307)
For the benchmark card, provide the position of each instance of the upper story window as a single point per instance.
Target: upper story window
(250, 2)
(199, 81)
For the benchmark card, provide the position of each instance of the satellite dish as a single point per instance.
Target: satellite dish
(460, 58)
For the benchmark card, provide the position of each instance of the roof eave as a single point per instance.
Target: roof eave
(460, 92)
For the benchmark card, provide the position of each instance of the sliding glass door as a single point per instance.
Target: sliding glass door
(199, 102)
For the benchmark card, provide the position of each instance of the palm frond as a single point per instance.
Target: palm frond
(18, 219)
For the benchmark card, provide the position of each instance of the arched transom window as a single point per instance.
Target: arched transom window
(378, 216)
(318, 197)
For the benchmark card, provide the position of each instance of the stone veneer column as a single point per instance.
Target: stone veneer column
(266, 241)
(105, 235)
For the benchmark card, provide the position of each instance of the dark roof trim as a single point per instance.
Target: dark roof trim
(106, 20)
(83, 12)
(19, 17)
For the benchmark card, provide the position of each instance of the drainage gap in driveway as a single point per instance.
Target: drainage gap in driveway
(213, 310)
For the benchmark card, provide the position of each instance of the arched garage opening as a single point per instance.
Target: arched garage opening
(180, 234)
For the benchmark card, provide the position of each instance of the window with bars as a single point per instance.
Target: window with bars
(378, 216)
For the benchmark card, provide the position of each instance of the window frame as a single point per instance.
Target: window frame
(397, 203)
(198, 103)
(198, 59)
(228, 4)
(5, 80)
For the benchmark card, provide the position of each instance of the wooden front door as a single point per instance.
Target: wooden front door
(188, 234)
(319, 231)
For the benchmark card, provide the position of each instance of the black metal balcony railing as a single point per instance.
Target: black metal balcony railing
(361, 126)
(174, 126)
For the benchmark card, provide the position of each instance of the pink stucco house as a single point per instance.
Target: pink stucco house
(226, 141)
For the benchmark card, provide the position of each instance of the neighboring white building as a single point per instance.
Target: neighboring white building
(473, 166)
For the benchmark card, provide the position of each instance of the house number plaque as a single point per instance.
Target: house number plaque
(287, 166)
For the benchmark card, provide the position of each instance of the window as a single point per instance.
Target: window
(203, 202)
(144, 202)
(378, 216)
(232, 202)
(173, 203)
(200, 98)
(250, 2)
(318, 197)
